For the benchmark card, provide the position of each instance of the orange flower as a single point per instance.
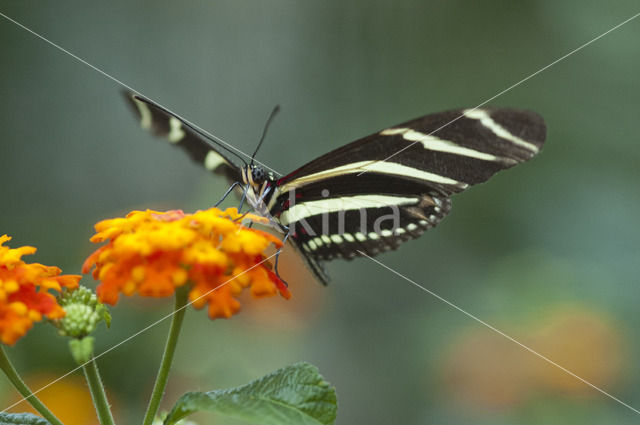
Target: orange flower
(152, 253)
(23, 292)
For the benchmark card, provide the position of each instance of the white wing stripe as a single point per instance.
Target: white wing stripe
(392, 168)
(176, 133)
(213, 160)
(434, 143)
(145, 114)
(486, 120)
(326, 206)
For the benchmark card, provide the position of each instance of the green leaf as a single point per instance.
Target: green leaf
(296, 395)
(104, 313)
(22, 419)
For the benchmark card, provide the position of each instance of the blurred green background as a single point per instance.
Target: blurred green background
(548, 252)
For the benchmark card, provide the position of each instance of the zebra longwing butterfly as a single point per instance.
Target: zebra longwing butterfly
(373, 194)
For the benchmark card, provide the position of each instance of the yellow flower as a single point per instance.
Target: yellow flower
(23, 292)
(152, 253)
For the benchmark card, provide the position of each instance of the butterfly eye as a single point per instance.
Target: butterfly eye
(258, 175)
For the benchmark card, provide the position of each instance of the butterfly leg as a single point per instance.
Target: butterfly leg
(244, 197)
(244, 214)
(244, 194)
(233, 186)
(253, 208)
(275, 267)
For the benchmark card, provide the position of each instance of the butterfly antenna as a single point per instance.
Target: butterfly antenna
(275, 110)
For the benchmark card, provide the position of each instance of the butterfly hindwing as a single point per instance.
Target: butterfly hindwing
(370, 229)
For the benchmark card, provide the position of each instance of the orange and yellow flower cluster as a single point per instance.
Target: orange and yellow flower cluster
(24, 296)
(152, 253)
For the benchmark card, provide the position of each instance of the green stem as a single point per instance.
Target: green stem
(167, 356)
(12, 374)
(97, 392)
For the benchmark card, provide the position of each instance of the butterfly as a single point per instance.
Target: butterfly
(372, 194)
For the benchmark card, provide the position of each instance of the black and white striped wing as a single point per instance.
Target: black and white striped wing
(409, 171)
(164, 124)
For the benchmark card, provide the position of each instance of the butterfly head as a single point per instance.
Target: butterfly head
(254, 175)
(259, 187)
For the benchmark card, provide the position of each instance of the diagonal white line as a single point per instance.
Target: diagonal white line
(362, 253)
(114, 79)
(130, 337)
(577, 49)
(499, 332)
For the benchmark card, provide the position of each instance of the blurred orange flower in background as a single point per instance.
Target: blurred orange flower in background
(586, 342)
(152, 253)
(68, 399)
(487, 370)
(23, 291)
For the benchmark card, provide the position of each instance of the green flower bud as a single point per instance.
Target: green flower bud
(83, 313)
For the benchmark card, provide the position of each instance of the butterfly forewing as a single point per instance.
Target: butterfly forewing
(449, 151)
(164, 124)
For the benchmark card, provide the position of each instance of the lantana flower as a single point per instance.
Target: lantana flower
(24, 296)
(153, 253)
